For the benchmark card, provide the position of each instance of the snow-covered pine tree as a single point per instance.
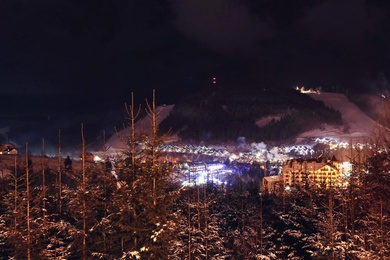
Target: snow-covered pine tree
(11, 207)
(240, 210)
(214, 222)
(146, 196)
(88, 208)
(332, 229)
(126, 199)
(23, 212)
(205, 226)
(376, 223)
(102, 237)
(47, 241)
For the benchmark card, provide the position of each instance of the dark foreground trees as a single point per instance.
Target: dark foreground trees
(122, 220)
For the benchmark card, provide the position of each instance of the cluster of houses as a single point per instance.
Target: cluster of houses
(8, 149)
(320, 172)
(194, 149)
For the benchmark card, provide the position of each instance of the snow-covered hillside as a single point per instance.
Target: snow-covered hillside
(356, 124)
(115, 142)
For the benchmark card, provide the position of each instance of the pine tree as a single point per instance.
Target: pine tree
(204, 228)
(146, 196)
(23, 214)
(239, 206)
(11, 212)
(86, 217)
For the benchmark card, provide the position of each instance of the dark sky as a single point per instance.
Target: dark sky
(86, 56)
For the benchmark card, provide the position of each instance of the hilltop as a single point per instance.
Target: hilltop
(300, 117)
(224, 115)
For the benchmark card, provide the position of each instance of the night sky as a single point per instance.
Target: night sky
(82, 59)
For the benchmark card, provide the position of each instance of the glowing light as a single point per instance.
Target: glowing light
(307, 91)
(214, 167)
(97, 159)
(201, 173)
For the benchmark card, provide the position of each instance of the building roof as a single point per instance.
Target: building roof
(275, 178)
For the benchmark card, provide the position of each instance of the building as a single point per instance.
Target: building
(272, 184)
(320, 172)
(8, 149)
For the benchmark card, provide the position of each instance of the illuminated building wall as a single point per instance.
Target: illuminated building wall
(314, 172)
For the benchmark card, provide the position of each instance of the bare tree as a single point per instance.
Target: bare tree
(83, 190)
(28, 197)
(59, 173)
(132, 117)
(153, 113)
(43, 181)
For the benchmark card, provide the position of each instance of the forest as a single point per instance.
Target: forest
(224, 114)
(144, 213)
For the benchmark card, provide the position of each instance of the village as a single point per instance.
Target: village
(277, 169)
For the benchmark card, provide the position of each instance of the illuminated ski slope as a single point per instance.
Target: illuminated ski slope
(115, 142)
(356, 124)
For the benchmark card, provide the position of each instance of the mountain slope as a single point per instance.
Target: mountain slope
(356, 124)
(225, 114)
(116, 142)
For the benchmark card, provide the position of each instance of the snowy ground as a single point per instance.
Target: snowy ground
(357, 126)
(115, 142)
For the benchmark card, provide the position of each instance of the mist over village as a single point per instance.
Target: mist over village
(195, 129)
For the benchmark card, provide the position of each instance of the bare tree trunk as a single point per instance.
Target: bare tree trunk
(28, 206)
(15, 194)
(284, 196)
(331, 223)
(83, 189)
(198, 205)
(151, 111)
(43, 181)
(189, 216)
(133, 115)
(59, 172)
(381, 233)
(261, 223)
(242, 213)
(104, 188)
(205, 220)
(345, 216)
(352, 183)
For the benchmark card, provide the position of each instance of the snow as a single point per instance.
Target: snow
(115, 142)
(266, 120)
(356, 124)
